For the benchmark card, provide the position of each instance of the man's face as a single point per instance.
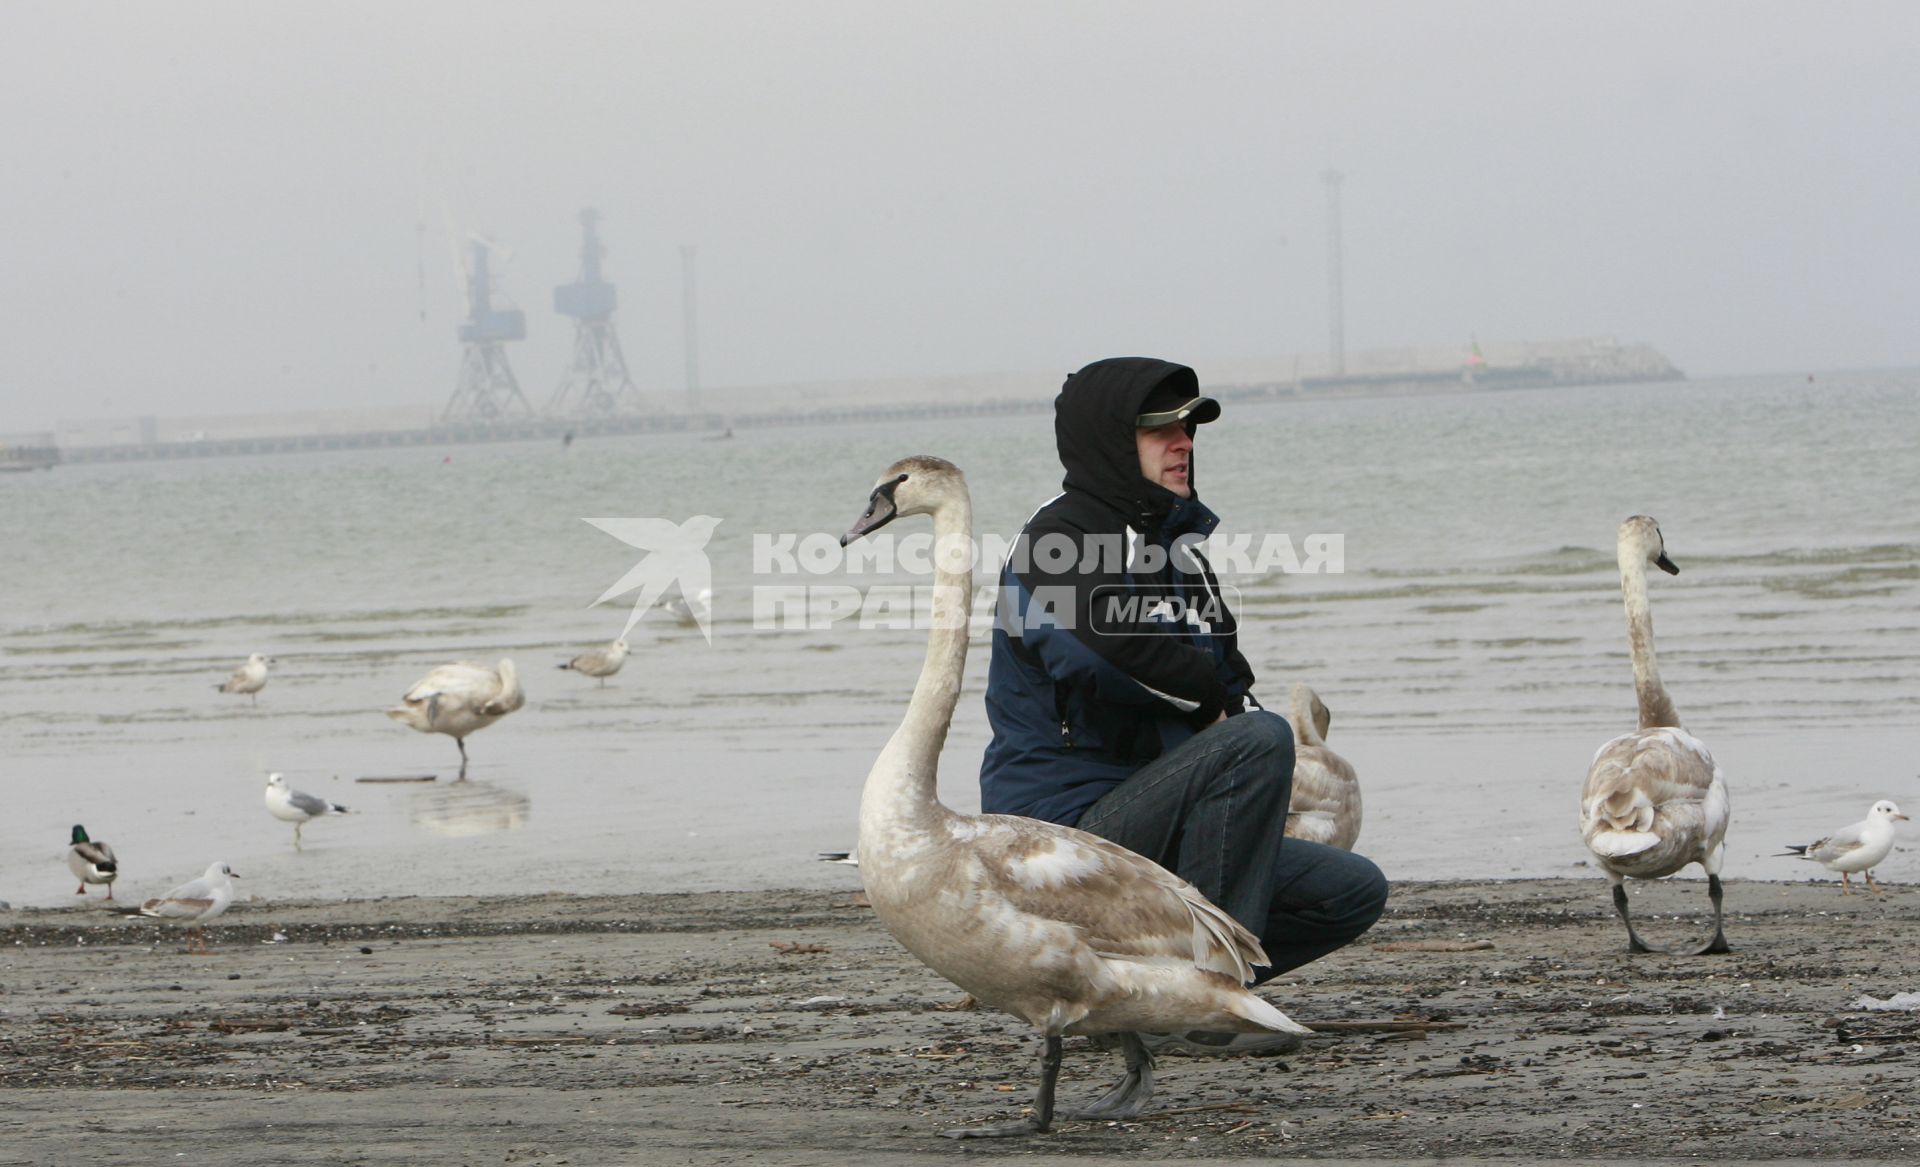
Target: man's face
(1165, 456)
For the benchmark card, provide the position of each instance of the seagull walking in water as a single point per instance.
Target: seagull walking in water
(296, 807)
(249, 678)
(91, 861)
(195, 902)
(1859, 847)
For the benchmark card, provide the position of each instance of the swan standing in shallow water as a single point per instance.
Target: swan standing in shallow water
(249, 678)
(600, 663)
(1325, 804)
(460, 699)
(295, 806)
(1654, 800)
(1072, 933)
(195, 902)
(91, 861)
(1859, 847)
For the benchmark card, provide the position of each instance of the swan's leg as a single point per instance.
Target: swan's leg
(1719, 941)
(1130, 1095)
(1042, 1120)
(1634, 943)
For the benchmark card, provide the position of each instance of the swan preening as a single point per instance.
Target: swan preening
(1072, 933)
(600, 663)
(1859, 847)
(295, 806)
(1654, 799)
(1325, 804)
(249, 678)
(460, 699)
(91, 861)
(195, 902)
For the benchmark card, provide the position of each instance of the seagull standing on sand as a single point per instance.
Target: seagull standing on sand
(1859, 847)
(460, 699)
(601, 662)
(91, 861)
(296, 807)
(249, 678)
(195, 902)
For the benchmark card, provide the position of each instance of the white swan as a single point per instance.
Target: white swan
(600, 662)
(195, 902)
(295, 806)
(91, 861)
(1859, 847)
(1654, 800)
(249, 678)
(1072, 933)
(460, 699)
(1325, 805)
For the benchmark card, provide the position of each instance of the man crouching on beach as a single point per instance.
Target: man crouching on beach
(1117, 695)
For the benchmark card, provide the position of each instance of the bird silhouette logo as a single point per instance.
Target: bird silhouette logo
(676, 557)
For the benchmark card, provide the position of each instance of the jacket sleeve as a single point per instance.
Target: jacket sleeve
(1079, 620)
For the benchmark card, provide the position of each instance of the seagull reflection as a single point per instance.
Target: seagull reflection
(469, 807)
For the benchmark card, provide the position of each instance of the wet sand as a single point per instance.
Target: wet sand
(786, 1027)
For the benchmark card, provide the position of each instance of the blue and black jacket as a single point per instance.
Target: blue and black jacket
(1112, 643)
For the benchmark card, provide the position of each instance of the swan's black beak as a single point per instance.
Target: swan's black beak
(880, 511)
(1665, 564)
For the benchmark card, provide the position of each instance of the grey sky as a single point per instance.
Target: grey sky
(214, 207)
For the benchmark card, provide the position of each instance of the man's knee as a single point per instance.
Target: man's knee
(1365, 897)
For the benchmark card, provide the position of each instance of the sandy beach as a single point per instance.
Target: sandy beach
(786, 1027)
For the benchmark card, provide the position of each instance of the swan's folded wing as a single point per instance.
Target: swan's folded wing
(1124, 905)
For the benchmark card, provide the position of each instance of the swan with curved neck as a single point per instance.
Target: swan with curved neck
(1070, 932)
(1654, 800)
(1325, 804)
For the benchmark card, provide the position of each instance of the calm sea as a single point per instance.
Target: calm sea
(1473, 650)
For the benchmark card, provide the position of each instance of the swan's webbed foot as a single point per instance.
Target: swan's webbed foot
(1131, 1093)
(1042, 1120)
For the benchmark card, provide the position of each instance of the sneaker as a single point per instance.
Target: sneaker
(1205, 1043)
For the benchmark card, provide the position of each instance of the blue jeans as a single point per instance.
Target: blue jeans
(1214, 811)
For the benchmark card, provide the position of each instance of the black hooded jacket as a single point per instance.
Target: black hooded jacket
(1112, 642)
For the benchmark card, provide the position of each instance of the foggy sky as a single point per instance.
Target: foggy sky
(215, 208)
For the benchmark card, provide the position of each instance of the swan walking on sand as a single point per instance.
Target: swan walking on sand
(296, 807)
(600, 662)
(91, 861)
(195, 902)
(249, 678)
(1859, 847)
(1325, 805)
(1654, 800)
(460, 699)
(1072, 933)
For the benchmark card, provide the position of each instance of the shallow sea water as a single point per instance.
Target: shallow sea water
(1473, 650)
